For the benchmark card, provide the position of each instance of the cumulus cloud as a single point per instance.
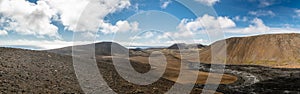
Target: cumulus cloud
(87, 14)
(297, 11)
(188, 28)
(205, 22)
(121, 26)
(165, 4)
(146, 35)
(262, 13)
(191, 41)
(28, 18)
(257, 26)
(208, 2)
(3, 32)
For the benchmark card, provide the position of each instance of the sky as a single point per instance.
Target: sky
(50, 24)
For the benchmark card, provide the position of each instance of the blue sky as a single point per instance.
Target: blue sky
(48, 24)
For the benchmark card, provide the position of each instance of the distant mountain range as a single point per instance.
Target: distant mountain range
(44, 72)
(270, 49)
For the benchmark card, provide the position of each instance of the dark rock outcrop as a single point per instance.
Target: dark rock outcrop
(186, 46)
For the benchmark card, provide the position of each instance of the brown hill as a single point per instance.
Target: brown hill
(268, 50)
(102, 48)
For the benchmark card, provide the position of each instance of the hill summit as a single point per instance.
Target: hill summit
(101, 48)
(185, 46)
(270, 49)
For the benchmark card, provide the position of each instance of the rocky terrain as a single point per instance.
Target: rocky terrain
(261, 64)
(25, 71)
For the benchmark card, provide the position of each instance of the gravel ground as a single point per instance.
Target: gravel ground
(25, 71)
(31, 72)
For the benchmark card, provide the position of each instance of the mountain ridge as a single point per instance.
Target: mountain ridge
(268, 49)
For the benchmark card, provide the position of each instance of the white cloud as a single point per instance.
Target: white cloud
(41, 44)
(121, 26)
(28, 18)
(191, 41)
(265, 3)
(238, 18)
(262, 13)
(185, 29)
(188, 28)
(3, 32)
(165, 35)
(225, 22)
(76, 15)
(146, 35)
(69, 14)
(297, 11)
(91, 12)
(208, 2)
(206, 22)
(165, 4)
(257, 27)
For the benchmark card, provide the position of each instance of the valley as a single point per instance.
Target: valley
(52, 71)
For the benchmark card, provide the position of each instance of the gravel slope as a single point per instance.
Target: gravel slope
(31, 72)
(25, 71)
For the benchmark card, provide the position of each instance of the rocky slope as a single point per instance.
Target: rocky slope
(25, 71)
(40, 72)
(267, 50)
(102, 48)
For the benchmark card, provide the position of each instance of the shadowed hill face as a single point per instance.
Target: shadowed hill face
(186, 46)
(268, 50)
(178, 46)
(109, 48)
(102, 48)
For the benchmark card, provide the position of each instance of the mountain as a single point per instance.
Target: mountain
(102, 48)
(186, 46)
(269, 50)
